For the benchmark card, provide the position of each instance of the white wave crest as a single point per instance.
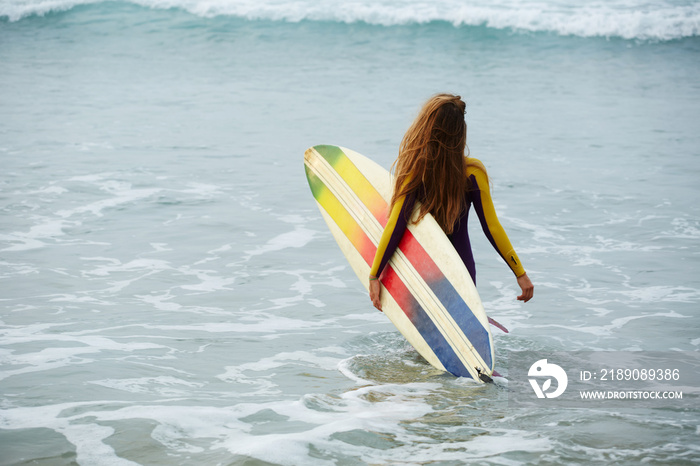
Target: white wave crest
(14, 10)
(628, 19)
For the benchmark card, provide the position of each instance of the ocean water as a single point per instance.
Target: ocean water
(171, 295)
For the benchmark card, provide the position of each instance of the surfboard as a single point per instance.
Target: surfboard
(427, 292)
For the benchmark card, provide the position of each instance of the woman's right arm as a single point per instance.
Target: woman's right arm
(495, 233)
(527, 288)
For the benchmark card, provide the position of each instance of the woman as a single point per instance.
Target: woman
(432, 168)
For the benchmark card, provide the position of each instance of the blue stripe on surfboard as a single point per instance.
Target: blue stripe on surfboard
(464, 317)
(423, 323)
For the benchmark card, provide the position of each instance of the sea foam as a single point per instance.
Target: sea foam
(627, 19)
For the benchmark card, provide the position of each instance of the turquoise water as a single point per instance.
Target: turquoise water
(171, 295)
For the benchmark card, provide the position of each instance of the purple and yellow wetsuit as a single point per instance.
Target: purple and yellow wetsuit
(479, 196)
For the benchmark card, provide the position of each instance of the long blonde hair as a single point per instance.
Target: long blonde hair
(432, 161)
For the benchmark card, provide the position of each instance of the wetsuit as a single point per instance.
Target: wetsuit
(477, 195)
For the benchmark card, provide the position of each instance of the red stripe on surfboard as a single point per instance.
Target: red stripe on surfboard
(367, 249)
(419, 258)
(398, 290)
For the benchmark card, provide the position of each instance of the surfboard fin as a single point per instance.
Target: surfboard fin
(497, 324)
(483, 377)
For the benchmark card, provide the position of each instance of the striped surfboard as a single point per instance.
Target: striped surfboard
(427, 291)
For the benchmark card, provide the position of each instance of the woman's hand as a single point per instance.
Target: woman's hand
(375, 293)
(527, 287)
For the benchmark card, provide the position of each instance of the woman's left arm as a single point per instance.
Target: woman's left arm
(395, 227)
